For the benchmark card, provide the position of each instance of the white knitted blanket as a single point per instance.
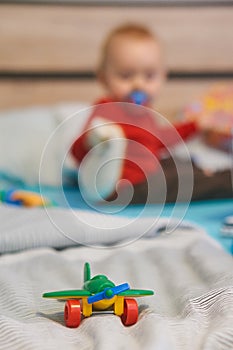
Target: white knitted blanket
(190, 273)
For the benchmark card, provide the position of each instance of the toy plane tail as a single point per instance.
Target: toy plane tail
(87, 272)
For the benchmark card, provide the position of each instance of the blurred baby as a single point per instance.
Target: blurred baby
(124, 153)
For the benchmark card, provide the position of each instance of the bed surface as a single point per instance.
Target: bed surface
(190, 273)
(207, 214)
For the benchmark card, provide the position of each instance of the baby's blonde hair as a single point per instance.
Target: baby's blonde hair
(131, 31)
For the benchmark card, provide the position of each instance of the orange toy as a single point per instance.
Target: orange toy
(214, 114)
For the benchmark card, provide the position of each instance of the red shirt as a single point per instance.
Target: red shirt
(145, 138)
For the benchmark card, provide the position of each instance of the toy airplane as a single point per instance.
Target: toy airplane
(99, 294)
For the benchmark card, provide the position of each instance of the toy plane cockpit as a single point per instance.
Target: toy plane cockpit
(101, 295)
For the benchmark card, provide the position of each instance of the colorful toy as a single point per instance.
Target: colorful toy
(99, 294)
(214, 113)
(24, 198)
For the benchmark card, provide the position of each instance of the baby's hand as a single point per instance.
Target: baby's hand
(98, 135)
(101, 132)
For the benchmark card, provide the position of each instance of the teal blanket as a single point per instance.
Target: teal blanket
(208, 214)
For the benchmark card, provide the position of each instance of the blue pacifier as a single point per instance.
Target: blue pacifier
(138, 97)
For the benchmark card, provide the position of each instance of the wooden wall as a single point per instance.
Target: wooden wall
(48, 52)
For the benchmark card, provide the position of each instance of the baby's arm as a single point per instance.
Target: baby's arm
(174, 134)
(101, 130)
(101, 169)
(98, 131)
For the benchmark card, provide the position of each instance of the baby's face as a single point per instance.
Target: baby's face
(133, 64)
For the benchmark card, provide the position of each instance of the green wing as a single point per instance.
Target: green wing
(68, 294)
(136, 293)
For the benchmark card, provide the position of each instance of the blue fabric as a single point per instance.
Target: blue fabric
(208, 214)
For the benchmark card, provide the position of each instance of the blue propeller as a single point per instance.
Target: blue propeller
(108, 293)
(138, 97)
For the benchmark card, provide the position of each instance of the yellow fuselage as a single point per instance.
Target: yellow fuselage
(104, 304)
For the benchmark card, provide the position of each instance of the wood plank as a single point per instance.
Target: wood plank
(18, 94)
(67, 38)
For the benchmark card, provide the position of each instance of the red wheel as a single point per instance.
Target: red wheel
(130, 315)
(72, 313)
